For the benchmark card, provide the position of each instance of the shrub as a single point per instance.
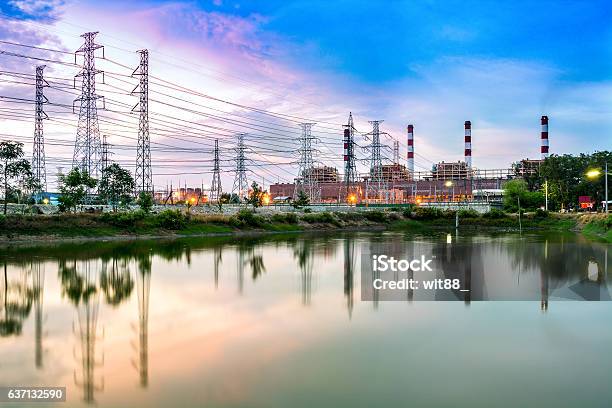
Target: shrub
(247, 217)
(540, 213)
(426, 213)
(495, 214)
(375, 216)
(322, 218)
(2, 219)
(123, 219)
(307, 210)
(288, 218)
(469, 213)
(171, 219)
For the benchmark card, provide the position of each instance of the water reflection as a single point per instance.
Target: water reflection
(115, 279)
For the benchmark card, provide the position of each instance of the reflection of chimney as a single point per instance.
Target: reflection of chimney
(544, 138)
(411, 150)
(468, 143)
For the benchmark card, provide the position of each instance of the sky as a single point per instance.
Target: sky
(433, 64)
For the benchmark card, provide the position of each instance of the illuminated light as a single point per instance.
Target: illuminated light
(593, 173)
(418, 201)
(448, 183)
(45, 201)
(192, 199)
(266, 199)
(352, 199)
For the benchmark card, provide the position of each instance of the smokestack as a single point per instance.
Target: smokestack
(544, 138)
(411, 149)
(468, 143)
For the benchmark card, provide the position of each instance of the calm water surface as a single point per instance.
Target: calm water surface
(279, 322)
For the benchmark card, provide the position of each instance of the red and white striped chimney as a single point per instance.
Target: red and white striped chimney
(411, 149)
(544, 138)
(468, 143)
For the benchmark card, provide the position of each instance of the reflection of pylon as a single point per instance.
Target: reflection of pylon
(38, 151)
(307, 181)
(87, 333)
(304, 255)
(218, 257)
(88, 147)
(144, 283)
(38, 282)
(215, 189)
(241, 186)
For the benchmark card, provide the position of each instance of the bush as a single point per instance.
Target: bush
(288, 218)
(469, 213)
(321, 218)
(2, 219)
(426, 213)
(248, 217)
(495, 214)
(307, 210)
(375, 216)
(123, 219)
(171, 219)
(540, 213)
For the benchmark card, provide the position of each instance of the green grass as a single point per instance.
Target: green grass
(601, 229)
(173, 222)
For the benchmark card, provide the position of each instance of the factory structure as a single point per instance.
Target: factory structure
(398, 183)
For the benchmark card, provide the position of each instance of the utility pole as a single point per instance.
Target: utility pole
(38, 151)
(376, 183)
(350, 169)
(215, 189)
(306, 180)
(144, 175)
(241, 186)
(88, 147)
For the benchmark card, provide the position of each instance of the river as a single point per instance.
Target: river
(279, 321)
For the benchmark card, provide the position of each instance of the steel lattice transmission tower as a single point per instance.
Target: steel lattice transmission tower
(241, 186)
(105, 153)
(350, 168)
(38, 151)
(306, 180)
(143, 175)
(376, 183)
(396, 155)
(215, 189)
(88, 147)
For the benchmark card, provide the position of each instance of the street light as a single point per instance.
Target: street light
(449, 184)
(594, 173)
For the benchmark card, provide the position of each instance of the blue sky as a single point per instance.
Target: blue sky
(431, 63)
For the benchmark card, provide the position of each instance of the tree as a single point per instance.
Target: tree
(302, 200)
(223, 199)
(145, 201)
(13, 168)
(518, 189)
(73, 188)
(116, 186)
(234, 199)
(256, 195)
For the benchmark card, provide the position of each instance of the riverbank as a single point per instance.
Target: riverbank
(135, 224)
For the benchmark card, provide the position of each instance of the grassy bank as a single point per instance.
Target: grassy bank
(174, 222)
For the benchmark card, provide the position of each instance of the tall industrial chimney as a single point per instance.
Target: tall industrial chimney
(411, 149)
(544, 138)
(468, 143)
